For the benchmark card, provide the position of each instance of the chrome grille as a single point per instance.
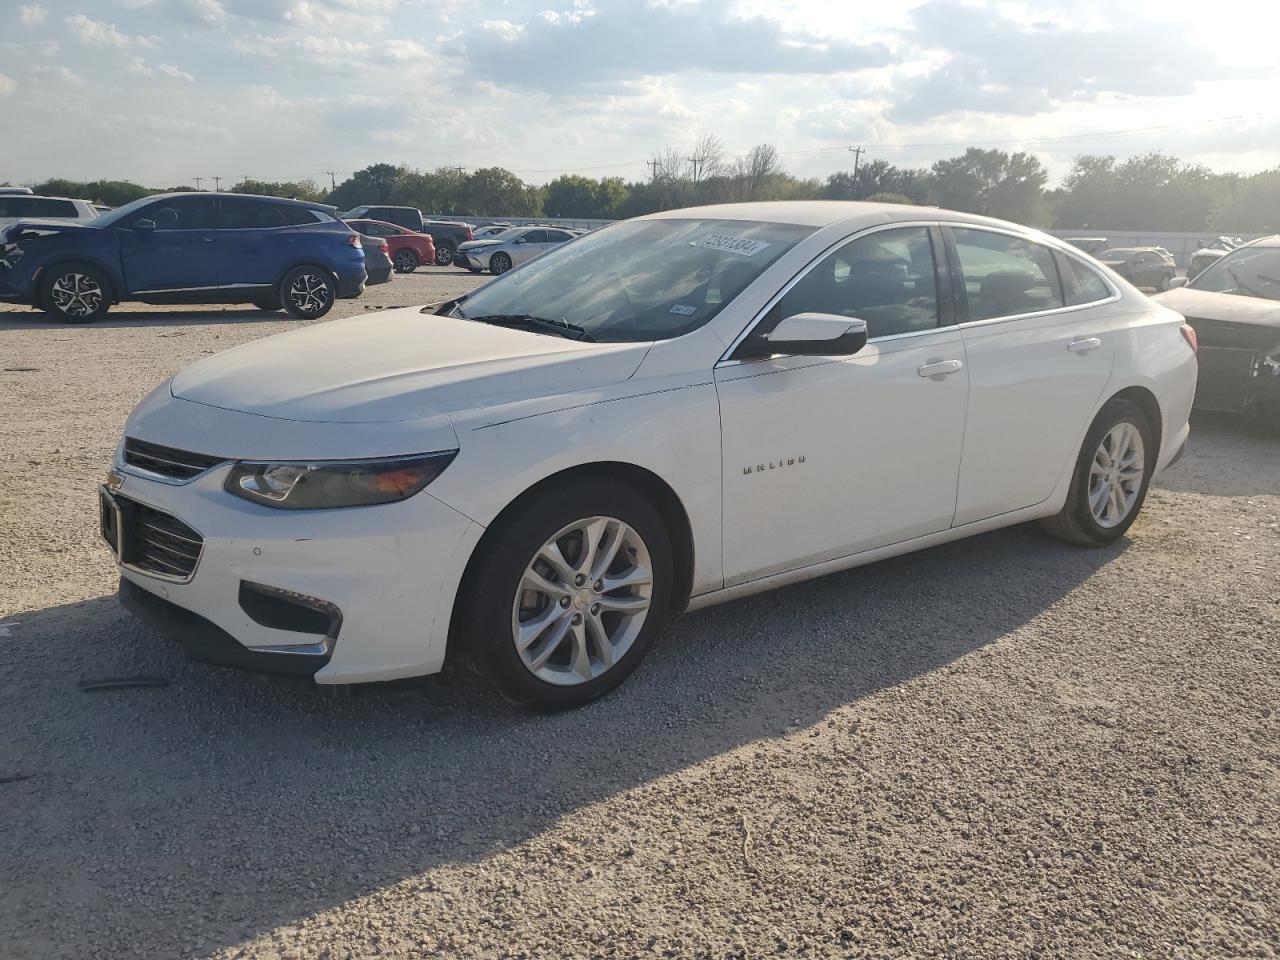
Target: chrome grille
(157, 542)
(167, 461)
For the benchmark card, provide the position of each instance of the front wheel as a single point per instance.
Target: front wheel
(307, 292)
(76, 293)
(499, 263)
(444, 255)
(569, 595)
(406, 261)
(1111, 477)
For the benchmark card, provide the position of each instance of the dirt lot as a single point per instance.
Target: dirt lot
(1000, 748)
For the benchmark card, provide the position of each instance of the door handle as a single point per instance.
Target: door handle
(938, 369)
(1084, 344)
(206, 239)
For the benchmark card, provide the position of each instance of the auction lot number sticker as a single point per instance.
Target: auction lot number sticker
(738, 245)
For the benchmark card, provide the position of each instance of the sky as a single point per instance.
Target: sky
(164, 91)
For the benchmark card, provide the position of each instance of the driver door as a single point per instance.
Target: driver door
(528, 246)
(828, 457)
(178, 253)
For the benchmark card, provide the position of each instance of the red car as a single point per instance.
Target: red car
(407, 249)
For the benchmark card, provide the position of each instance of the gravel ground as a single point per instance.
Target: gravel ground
(999, 748)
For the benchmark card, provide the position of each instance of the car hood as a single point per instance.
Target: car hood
(1227, 307)
(49, 226)
(473, 244)
(398, 366)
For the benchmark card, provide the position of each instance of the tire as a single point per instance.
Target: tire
(444, 254)
(268, 304)
(308, 292)
(75, 293)
(406, 260)
(1164, 282)
(563, 618)
(499, 263)
(1080, 521)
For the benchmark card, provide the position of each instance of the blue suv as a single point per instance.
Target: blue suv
(185, 248)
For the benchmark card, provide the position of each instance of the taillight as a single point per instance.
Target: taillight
(469, 237)
(1189, 335)
(353, 240)
(383, 246)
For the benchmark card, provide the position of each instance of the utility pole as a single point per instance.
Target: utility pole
(857, 155)
(333, 184)
(696, 163)
(653, 166)
(198, 179)
(217, 184)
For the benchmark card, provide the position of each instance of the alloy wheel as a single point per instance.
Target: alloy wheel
(1115, 477)
(76, 295)
(582, 601)
(444, 256)
(309, 293)
(499, 263)
(405, 261)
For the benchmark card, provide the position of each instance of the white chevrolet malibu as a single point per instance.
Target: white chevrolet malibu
(667, 413)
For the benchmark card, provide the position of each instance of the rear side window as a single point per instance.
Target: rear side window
(885, 278)
(40, 207)
(535, 236)
(1005, 276)
(1080, 282)
(262, 215)
(558, 236)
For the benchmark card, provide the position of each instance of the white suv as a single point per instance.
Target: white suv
(17, 206)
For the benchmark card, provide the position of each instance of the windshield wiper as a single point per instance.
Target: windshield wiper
(561, 327)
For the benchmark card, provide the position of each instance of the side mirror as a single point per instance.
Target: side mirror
(1176, 282)
(810, 335)
(521, 240)
(144, 224)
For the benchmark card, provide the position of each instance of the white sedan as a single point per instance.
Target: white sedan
(667, 413)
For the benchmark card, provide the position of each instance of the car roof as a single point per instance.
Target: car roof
(308, 204)
(824, 213)
(1271, 241)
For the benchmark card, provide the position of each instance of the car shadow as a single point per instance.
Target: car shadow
(257, 804)
(172, 317)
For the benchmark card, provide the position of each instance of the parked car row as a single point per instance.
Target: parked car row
(184, 248)
(446, 235)
(510, 248)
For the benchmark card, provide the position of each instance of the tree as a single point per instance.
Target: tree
(373, 184)
(1250, 205)
(993, 183)
(113, 193)
(756, 170)
(706, 160)
(889, 198)
(294, 190)
(494, 191)
(611, 194)
(571, 196)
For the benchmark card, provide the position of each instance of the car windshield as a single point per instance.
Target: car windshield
(1251, 272)
(119, 213)
(640, 279)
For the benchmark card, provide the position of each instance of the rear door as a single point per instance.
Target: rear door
(1039, 353)
(177, 254)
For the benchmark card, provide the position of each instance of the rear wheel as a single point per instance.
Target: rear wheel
(499, 263)
(1111, 477)
(444, 254)
(569, 595)
(75, 293)
(307, 292)
(406, 261)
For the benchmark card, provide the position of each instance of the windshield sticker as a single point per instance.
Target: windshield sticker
(684, 309)
(738, 245)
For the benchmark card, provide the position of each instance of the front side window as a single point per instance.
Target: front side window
(1005, 276)
(639, 280)
(885, 278)
(250, 215)
(181, 213)
(1248, 272)
(535, 236)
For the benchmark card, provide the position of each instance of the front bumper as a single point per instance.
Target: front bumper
(378, 581)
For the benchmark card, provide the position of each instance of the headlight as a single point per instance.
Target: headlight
(325, 484)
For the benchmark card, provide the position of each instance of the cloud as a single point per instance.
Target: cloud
(32, 14)
(61, 74)
(7, 86)
(587, 47)
(102, 34)
(995, 64)
(138, 67)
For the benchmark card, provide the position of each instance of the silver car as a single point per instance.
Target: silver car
(510, 248)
